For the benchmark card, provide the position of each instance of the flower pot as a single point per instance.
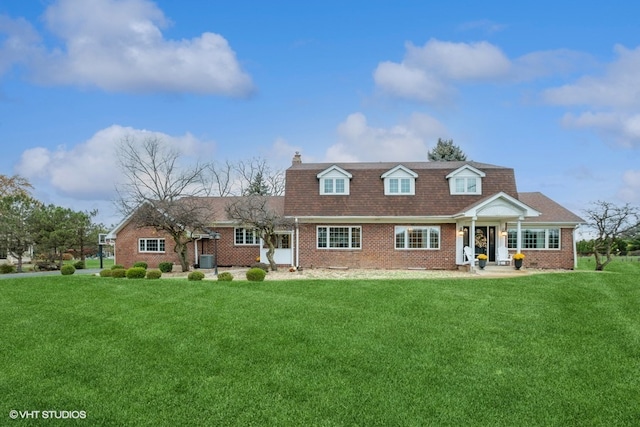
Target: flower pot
(482, 263)
(517, 263)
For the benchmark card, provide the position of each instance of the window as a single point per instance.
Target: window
(333, 186)
(535, 238)
(245, 236)
(339, 237)
(417, 237)
(334, 181)
(466, 180)
(399, 181)
(466, 185)
(151, 245)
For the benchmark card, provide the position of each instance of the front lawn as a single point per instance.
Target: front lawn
(548, 349)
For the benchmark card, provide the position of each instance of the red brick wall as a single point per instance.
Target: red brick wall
(228, 254)
(378, 250)
(561, 258)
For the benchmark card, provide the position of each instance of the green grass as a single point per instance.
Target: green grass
(555, 349)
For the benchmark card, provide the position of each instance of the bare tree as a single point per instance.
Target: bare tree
(220, 179)
(255, 212)
(610, 222)
(14, 185)
(257, 177)
(159, 192)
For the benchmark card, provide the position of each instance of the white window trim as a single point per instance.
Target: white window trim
(146, 239)
(332, 173)
(399, 172)
(406, 238)
(256, 238)
(546, 238)
(349, 248)
(465, 172)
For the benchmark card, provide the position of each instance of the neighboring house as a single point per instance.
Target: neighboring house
(387, 215)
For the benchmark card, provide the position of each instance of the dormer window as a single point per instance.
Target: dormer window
(399, 181)
(466, 180)
(334, 181)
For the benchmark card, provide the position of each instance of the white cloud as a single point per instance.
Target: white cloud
(89, 170)
(119, 46)
(619, 87)
(429, 73)
(360, 142)
(630, 191)
(616, 128)
(426, 73)
(20, 42)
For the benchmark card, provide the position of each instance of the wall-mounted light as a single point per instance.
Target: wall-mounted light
(504, 231)
(461, 232)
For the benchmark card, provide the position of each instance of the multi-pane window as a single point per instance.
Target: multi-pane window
(417, 237)
(399, 186)
(245, 236)
(151, 245)
(334, 186)
(535, 238)
(466, 185)
(339, 237)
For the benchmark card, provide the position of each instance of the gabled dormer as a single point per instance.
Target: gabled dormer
(465, 180)
(334, 181)
(399, 181)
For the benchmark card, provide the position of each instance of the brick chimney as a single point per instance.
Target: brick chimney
(297, 159)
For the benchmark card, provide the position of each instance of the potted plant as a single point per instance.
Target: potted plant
(517, 260)
(482, 261)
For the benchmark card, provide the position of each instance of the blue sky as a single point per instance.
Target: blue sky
(549, 88)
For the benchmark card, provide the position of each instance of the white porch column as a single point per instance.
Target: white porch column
(195, 243)
(519, 234)
(472, 240)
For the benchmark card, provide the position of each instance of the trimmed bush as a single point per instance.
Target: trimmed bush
(141, 264)
(7, 268)
(117, 266)
(119, 273)
(136, 273)
(79, 265)
(195, 275)
(67, 256)
(256, 274)
(225, 277)
(105, 273)
(67, 269)
(154, 274)
(261, 266)
(165, 267)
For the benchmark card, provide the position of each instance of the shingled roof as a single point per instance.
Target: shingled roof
(432, 196)
(550, 211)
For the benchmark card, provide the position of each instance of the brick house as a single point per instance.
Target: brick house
(387, 216)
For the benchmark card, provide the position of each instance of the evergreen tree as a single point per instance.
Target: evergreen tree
(446, 151)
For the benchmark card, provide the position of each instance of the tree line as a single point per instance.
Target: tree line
(47, 232)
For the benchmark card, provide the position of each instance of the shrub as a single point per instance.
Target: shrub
(141, 264)
(117, 266)
(166, 267)
(195, 275)
(7, 268)
(67, 256)
(106, 273)
(136, 273)
(256, 274)
(154, 274)
(119, 273)
(225, 277)
(262, 266)
(67, 269)
(79, 265)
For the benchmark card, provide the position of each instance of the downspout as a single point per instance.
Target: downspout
(195, 243)
(575, 247)
(297, 249)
